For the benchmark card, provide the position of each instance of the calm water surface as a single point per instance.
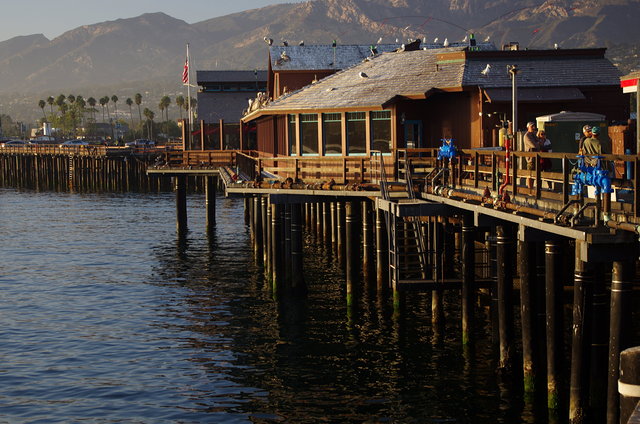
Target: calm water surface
(106, 317)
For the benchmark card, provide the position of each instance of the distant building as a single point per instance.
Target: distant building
(222, 99)
(413, 99)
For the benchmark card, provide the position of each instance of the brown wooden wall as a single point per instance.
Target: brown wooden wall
(295, 80)
(265, 130)
(281, 134)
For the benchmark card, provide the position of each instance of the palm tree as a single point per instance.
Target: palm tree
(114, 99)
(51, 101)
(180, 104)
(42, 104)
(106, 103)
(149, 115)
(138, 99)
(103, 102)
(60, 101)
(71, 98)
(92, 102)
(80, 105)
(129, 103)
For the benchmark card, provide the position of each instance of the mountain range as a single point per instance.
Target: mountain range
(148, 51)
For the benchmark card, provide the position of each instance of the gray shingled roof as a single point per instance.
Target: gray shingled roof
(230, 76)
(416, 72)
(543, 71)
(347, 89)
(321, 57)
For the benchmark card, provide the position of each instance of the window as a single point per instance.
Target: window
(332, 133)
(309, 133)
(293, 147)
(356, 133)
(381, 131)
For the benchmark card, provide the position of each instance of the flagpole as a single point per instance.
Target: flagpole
(189, 99)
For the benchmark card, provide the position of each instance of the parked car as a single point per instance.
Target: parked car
(141, 142)
(8, 143)
(73, 143)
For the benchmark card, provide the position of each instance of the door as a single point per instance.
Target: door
(413, 134)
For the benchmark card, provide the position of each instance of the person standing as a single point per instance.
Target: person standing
(586, 133)
(592, 147)
(531, 144)
(545, 146)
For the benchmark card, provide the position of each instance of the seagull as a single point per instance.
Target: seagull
(486, 70)
(397, 41)
(556, 46)
(446, 42)
(284, 56)
(424, 40)
(379, 40)
(285, 43)
(464, 40)
(435, 40)
(486, 40)
(363, 75)
(407, 27)
(269, 41)
(301, 43)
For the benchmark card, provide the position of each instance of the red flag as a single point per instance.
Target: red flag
(185, 72)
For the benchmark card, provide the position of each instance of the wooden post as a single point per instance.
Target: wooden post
(598, 353)
(287, 245)
(247, 211)
(340, 209)
(468, 276)
(553, 303)
(276, 251)
(313, 218)
(222, 134)
(268, 243)
(619, 333)
(181, 204)
(265, 225)
(367, 241)
(381, 248)
(629, 383)
(326, 229)
(504, 256)
(257, 227)
(527, 310)
(437, 314)
(334, 228)
(210, 203)
(297, 275)
(350, 253)
(319, 221)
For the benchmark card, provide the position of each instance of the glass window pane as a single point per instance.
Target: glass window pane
(332, 133)
(356, 133)
(309, 133)
(381, 131)
(293, 151)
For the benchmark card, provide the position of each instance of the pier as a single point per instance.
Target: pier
(411, 221)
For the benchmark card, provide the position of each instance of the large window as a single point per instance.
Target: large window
(309, 133)
(381, 131)
(356, 133)
(293, 147)
(332, 133)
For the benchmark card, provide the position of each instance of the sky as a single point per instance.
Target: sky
(54, 17)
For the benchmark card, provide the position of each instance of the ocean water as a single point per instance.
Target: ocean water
(107, 316)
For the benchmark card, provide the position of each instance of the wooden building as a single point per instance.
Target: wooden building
(413, 99)
(222, 98)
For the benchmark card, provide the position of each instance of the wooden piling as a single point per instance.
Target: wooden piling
(350, 252)
(340, 219)
(257, 227)
(367, 241)
(382, 249)
(210, 203)
(619, 334)
(181, 203)
(297, 274)
(287, 245)
(527, 310)
(553, 304)
(598, 323)
(326, 221)
(265, 224)
(504, 257)
(276, 251)
(468, 276)
(578, 393)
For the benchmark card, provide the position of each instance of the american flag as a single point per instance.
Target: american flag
(185, 72)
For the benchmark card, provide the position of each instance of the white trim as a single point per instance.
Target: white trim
(629, 390)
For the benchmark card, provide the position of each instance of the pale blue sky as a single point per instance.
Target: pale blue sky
(54, 17)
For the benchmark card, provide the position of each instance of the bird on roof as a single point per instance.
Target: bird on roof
(556, 46)
(435, 40)
(486, 70)
(424, 40)
(464, 40)
(363, 75)
(268, 40)
(285, 43)
(379, 40)
(397, 41)
(486, 40)
(301, 43)
(407, 27)
(446, 42)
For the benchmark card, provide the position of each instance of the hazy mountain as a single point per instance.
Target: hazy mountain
(151, 47)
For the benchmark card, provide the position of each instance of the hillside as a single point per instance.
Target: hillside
(151, 47)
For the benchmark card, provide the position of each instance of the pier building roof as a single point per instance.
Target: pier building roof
(377, 81)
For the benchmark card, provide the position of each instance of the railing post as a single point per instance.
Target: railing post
(476, 168)
(344, 170)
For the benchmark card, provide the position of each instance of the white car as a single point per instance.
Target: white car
(73, 143)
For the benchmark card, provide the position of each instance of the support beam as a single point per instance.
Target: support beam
(297, 274)
(181, 204)
(553, 304)
(210, 203)
(367, 241)
(382, 252)
(468, 276)
(619, 331)
(527, 311)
